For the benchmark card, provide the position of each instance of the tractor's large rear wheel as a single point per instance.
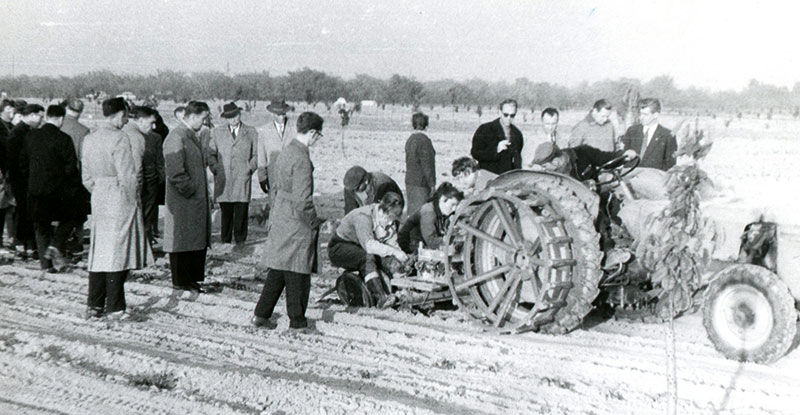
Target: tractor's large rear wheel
(525, 256)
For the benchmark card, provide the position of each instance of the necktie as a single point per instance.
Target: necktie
(645, 140)
(233, 132)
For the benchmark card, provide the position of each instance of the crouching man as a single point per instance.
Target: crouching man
(366, 242)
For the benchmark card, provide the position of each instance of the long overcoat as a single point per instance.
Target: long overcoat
(187, 222)
(54, 182)
(117, 241)
(293, 222)
(270, 143)
(233, 162)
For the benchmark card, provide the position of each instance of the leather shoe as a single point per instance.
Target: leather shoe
(195, 287)
(262, 322)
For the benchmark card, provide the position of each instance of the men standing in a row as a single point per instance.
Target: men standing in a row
(293, 228)
(655, 144)
(187, 223)
(232, 159)
(497, 144)
(54, 183)
(271, 143)
(596, 129)
(117, 243)
(32, 115)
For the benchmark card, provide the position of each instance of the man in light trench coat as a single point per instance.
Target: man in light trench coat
(232, 160)
(187, 222)
(117, 243)
(293, 229)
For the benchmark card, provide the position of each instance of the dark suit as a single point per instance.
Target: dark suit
(484, 148)
(660, 152)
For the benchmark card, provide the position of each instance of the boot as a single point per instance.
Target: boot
(382, 298)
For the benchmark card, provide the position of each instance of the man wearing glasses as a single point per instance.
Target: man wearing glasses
(497, 145)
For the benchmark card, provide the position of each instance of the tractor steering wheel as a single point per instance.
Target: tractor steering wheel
(614, 167)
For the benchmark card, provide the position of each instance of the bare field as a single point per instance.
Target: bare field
(185, 354)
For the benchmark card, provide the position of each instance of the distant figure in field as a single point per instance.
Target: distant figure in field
(232, 159)
(595, 129)
(420, 165)
(117, 243)
(53, 185)
(293, 230)
(31, 118)
(655, 144)
(271, 142)
(363, 188)
(547, 132)
(187, 223)
(497, 144)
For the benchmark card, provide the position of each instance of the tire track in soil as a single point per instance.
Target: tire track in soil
(436, 364)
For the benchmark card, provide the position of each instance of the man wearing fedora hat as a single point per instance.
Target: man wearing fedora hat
(232, 160)
(272, 142)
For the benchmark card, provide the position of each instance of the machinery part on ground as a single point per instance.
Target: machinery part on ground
(749, 314)
(525, 254)
(352, 291)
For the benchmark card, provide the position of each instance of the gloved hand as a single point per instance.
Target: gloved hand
(264, 186)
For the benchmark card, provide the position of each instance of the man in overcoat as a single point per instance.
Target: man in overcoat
(270, 143)
(48, 158)
(655, 144)
(7, 202)
(497, 144)
(420, 165)
(117, 243)
(187, 222)
(293, 228)
(32, 115)
(232, 156)
(77, 131)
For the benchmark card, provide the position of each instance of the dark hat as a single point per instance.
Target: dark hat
(545, 152)
(354, 177)
(279, 108)
(230, 110)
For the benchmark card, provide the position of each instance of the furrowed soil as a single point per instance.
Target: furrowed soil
(182, 353)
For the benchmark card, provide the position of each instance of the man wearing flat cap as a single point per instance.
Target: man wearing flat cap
(579, 162)
(271, 142)
(232, 155)
(363, 188)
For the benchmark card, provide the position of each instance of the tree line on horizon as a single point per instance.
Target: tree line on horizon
(314, 86)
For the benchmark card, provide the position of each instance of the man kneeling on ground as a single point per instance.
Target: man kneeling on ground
(366, 241)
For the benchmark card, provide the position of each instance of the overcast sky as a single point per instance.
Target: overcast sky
(710, 44)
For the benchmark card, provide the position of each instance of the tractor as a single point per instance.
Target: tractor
(525, 254)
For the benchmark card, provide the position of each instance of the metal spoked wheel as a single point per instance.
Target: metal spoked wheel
(517, 259)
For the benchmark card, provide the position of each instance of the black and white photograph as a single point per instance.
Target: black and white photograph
(399, 207)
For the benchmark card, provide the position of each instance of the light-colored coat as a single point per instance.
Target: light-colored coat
(270, 144)
(292, 238)
(187, 222)
(233, 162)
(117, 241)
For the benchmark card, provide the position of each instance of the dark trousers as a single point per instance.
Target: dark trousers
(350, 256)
(7, 221)
(46, 237)
(234, 221)
(187, 267)
(297, 288)
(150, 210)
(107, 289)
(23, 232)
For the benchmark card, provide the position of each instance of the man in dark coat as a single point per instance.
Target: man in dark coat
(48, 158)
(32, 115)
(187, 222)
(364, 188)
(655, 144)
(7, 111)
(293, 229)
(420, 165)
(77, 131)
(497, 145)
